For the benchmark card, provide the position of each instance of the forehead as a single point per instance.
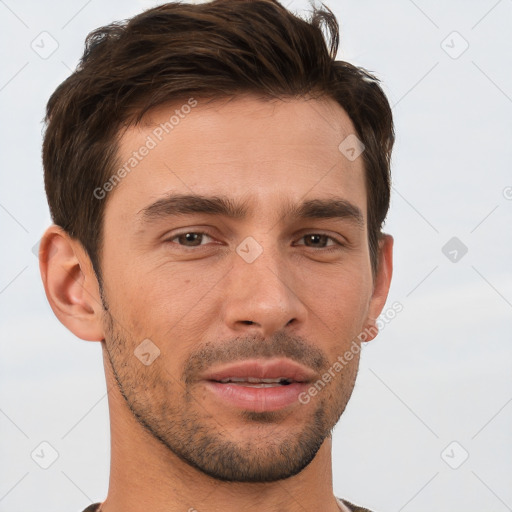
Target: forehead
(264, 152)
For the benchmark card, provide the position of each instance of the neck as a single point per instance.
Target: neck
(144, 472)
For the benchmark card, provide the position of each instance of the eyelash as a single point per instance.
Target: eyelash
(334, 241)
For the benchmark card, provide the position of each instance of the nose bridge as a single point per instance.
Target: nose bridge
(260, 294)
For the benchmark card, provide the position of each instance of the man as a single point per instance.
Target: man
(218, 184)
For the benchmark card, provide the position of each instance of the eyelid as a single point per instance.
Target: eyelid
(194, 228)
(334, 239)
(190, 231)
(337, 240)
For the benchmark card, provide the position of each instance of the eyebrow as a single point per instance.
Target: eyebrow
(328, 209)
(182, 204)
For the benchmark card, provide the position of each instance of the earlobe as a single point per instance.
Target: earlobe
(70, 284)
(381, 286)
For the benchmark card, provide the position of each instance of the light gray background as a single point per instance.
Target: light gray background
(439, 372)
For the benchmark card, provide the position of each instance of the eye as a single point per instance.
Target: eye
(191, 239)
(318, 240)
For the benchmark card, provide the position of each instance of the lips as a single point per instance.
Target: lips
(258, 385)
(270, 371)
(255, 382)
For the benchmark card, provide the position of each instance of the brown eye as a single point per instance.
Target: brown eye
(317, 240)
(190, 239)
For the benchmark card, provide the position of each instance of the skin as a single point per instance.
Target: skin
(176, 446)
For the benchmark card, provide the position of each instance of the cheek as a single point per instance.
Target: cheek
(177, 306)
(161, 294)
(340, 299)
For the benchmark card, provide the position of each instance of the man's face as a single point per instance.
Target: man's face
(265, 273)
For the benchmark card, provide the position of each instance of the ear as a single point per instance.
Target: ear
(381, 284)
(70, 284)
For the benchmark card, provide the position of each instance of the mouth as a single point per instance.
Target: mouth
(254, 382)
(259, 385)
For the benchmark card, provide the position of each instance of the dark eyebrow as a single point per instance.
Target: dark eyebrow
(182, 204)
(328, 209)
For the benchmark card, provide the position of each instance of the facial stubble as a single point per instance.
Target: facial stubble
(170, 410)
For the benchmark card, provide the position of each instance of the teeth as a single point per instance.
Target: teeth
(254, 380)
(262, 385)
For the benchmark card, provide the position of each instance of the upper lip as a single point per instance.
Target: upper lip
(262, 369)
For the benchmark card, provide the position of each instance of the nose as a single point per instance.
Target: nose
(262, 297)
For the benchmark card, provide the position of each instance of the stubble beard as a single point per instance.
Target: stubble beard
(196, 437)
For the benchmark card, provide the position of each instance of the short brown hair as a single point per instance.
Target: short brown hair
(216, 49)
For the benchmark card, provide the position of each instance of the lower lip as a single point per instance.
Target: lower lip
(257, 399)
